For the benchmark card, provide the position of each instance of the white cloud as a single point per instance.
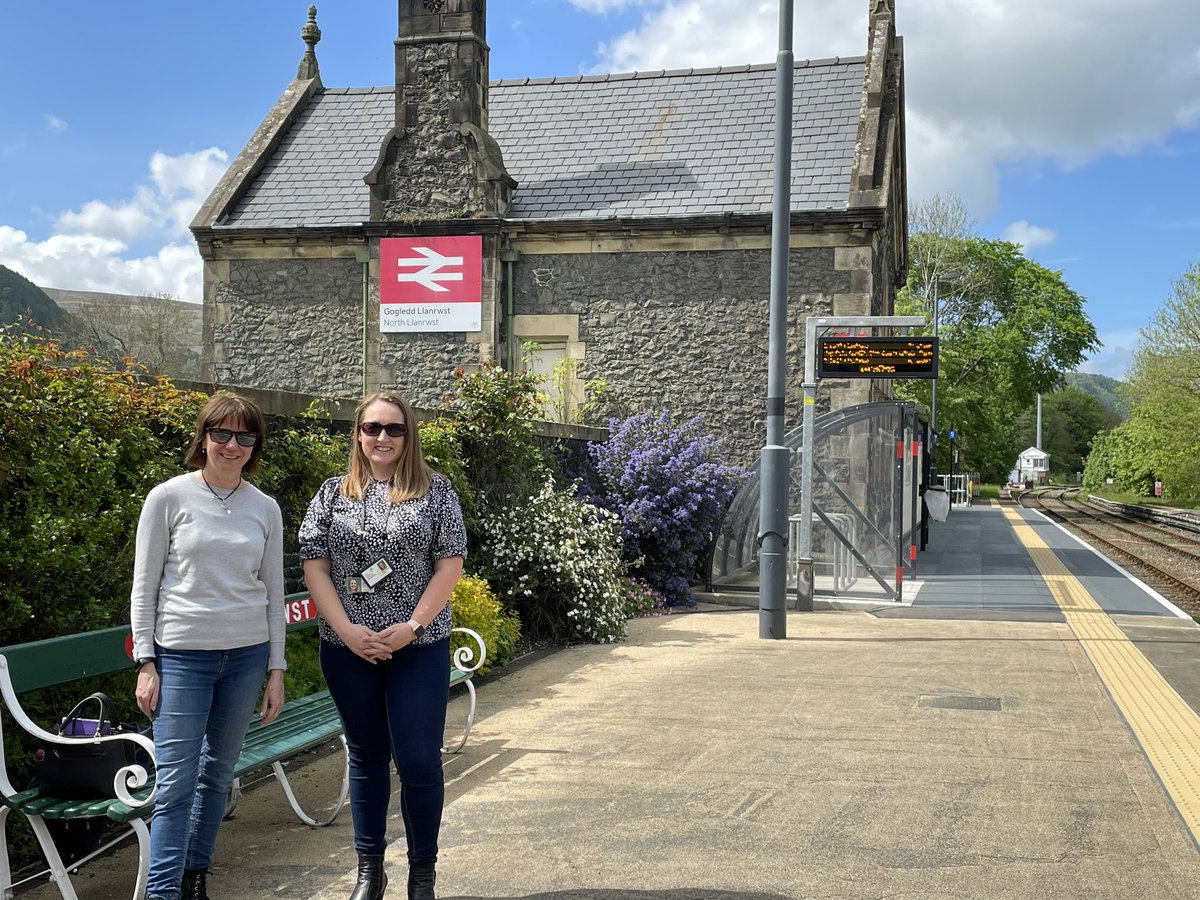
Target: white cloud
(605, 6)
(682, 33)
(54, 123)
(987, 83)
(123, 222)
(1030, 237)
(1114, 357)
(89, 249)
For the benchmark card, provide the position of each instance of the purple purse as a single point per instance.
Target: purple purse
(85, 769)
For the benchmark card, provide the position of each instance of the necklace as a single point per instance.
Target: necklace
(218, 497)
(387, 519)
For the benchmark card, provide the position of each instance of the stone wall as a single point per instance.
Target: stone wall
(421, 366)
(430, 173)
(291, 325)
(296, 325)
(681, 329)
(688, 330)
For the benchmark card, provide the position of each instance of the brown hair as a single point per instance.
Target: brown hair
(412, 476)
(220, 407)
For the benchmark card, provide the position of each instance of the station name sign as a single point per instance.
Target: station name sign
(431, 284)
(877, 357)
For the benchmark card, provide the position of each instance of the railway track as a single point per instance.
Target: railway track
(1166, 558)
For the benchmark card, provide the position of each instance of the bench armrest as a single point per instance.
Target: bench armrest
(468, 658)
(129, 778)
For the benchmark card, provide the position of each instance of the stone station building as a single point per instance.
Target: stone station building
(623, 221)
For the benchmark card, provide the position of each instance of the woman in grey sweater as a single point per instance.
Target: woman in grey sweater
(208, 623)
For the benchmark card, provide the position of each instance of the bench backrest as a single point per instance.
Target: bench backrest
(71, 657)
(64, 659)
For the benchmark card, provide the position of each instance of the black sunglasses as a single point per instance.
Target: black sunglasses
(393, 429)
(222, 436)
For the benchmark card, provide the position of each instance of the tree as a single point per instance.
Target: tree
(161, 333)
(1071, 419)
(21, 299)
(1109, 391)
(1009, 329)
(939, 228)
(1160, 440)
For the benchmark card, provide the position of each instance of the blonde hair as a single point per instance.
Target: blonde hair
(412, 476)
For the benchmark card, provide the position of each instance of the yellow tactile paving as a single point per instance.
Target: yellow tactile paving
(1163, 723)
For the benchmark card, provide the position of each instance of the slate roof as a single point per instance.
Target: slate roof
(674, 143)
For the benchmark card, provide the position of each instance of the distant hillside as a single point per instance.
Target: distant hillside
(161, 333)
(1101, 387)
(19, 296)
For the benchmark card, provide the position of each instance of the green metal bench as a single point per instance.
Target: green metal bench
(303, 724)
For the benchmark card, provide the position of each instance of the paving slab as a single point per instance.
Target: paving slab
(863, 757)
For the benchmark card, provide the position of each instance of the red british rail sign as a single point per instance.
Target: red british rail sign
(431, 284)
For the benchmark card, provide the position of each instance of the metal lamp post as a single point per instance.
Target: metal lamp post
(933, 423)
(775, 457)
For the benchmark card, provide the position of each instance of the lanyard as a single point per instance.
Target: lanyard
(363, 533)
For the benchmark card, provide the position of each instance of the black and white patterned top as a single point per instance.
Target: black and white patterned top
(411, 536)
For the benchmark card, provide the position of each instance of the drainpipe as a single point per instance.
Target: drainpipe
(364, 257)
(509, 255)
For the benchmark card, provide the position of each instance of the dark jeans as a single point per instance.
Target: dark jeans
(393, 710)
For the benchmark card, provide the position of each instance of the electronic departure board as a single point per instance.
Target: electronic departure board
(877, 357)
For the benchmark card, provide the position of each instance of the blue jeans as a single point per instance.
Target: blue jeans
(393, 710)
(205, 703)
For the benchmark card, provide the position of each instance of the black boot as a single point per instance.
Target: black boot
(371, 878)
(421, 877)
(194, 885)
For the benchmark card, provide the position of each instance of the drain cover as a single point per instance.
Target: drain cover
(991, 704)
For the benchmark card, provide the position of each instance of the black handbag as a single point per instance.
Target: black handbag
(86, 768)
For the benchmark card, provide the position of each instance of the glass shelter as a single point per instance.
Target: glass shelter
(868, 466)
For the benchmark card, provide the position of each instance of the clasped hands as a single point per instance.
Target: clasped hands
(376, 646)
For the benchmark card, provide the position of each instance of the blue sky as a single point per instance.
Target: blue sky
(1071, 126)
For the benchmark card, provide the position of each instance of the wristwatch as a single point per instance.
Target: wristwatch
(417, 627)
(141, 661)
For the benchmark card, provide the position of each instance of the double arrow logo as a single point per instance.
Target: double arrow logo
(430, 264)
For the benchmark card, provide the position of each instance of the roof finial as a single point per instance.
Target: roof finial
(310, 34)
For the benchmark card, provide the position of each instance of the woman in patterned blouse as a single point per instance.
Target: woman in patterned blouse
(383, 547)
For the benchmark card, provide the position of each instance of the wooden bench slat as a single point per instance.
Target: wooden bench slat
(285, 725)
(289, 732)
(120, 812)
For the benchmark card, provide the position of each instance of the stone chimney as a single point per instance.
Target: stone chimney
(439, 162)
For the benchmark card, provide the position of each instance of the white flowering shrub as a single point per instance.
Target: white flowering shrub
(556, 560)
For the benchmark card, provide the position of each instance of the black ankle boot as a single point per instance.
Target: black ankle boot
(194, 885)
(421, 877)
(371, 878)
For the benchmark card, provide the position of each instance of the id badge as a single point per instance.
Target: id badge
(372, 575)
(355, 584)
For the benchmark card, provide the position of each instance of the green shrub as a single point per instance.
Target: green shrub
(556, 561)
(303, 676)
(442, 449)
(80, 447)
(476, 606)
(299, 454)
(494, 414)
